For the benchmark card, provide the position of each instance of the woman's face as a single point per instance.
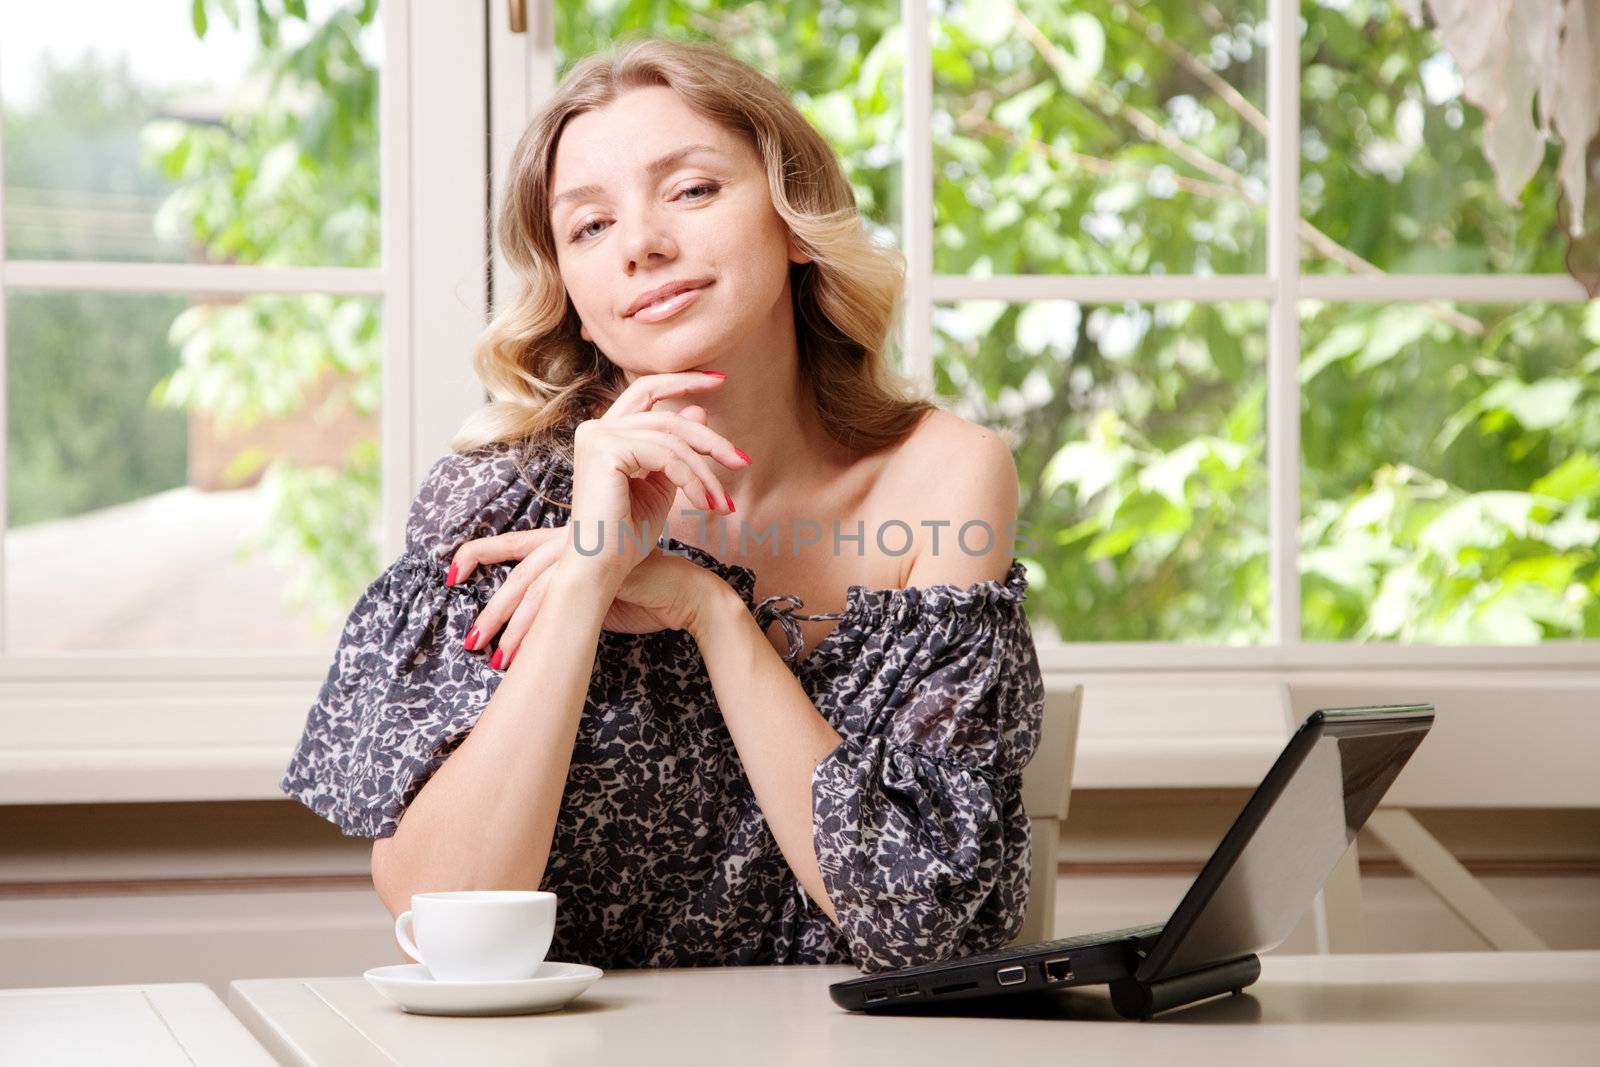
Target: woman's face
(704, 217)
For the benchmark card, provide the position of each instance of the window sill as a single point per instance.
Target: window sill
(232, 741)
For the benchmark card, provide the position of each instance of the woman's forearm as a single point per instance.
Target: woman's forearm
(486, 818)
(778, 732)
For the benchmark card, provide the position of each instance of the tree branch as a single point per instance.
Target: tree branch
(1210, 78)
(1224, 174)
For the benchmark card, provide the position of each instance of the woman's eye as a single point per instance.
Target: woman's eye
(709, 188)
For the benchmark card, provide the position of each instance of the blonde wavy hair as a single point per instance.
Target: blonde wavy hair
(543, 377)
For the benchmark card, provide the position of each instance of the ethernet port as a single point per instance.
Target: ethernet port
(1058, 970)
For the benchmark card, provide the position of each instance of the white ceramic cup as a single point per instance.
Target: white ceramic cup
(480, 935)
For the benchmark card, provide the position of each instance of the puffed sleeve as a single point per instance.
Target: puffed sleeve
(403, 690)
(918, 821)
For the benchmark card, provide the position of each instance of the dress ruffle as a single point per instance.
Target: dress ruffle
(917, 815)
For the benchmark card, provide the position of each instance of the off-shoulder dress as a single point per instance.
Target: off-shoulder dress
(661, 856)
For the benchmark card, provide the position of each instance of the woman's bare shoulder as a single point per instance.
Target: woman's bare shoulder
(947, 473)
(942, 447)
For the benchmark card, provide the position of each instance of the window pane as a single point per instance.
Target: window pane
(1139, 437)
(1450, 483)
(188, 476)
(130, 137)
(840, 61)
(1391, 164)
(1099, 137)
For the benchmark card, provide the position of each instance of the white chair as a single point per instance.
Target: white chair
(1496, 742)
(1046, 788)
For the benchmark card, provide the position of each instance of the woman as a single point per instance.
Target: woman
(697, 360)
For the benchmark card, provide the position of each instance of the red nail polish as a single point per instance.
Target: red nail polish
(714, 373)
(495, 659)
(730, 501)
(472, 638)
(711, 505)
(741, 454)
(450, 579)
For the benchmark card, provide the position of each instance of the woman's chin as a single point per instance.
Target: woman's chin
(679, 350)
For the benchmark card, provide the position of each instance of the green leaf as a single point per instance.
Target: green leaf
(197, 15)
(1577, 476)
(1113, 542)
(1538, 406)
(1482, 520)
(246, 463)
(1082, 46)
(986, 23)
(1015, 112)
(1394, 329)
(1551, 571)
(834, 114)
(1086, 466)
(1401, 590)
(1343, 340)
(1168, 475)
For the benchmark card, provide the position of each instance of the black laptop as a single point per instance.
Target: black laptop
(1246, 900)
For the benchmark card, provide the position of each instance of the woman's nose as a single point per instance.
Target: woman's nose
(647, 238)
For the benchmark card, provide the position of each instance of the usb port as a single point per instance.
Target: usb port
(873, 998)
(1059, 970)
(906, 991)
(1010, 975)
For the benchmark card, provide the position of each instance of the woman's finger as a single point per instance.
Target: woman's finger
(658, 450)
(702, 438)
(714, 493)
(648, 388)
(497, 549)
(522, 620)
(502, 605)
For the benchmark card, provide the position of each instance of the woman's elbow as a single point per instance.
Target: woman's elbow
(384, 861)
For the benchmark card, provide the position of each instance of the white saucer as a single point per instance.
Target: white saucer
(414, 989)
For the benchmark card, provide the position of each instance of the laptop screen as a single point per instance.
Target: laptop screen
(1291, 834)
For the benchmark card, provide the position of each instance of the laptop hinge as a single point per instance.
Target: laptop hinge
(1134, 999)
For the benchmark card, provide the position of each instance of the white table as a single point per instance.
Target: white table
(159, 1025)
(1448, 1008)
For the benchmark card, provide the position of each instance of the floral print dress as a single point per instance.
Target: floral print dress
(661, 856)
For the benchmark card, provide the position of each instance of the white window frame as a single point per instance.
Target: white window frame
(107, 726)
(100, 727)
(1282, 287)
(532, 64)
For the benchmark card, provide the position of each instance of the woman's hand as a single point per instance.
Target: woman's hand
(628, 466)
(661, 593)
(671, 590)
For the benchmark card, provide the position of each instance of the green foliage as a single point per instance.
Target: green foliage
(1448, 481)
(80, 141)
(79, 436)
(1129, 140)
(287, 178)
(1392, 164)
(290, 179)
(1088, 138)
(326, 524)
(1139, 441)
(1450, 478)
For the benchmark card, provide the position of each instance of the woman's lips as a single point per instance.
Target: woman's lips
(665, 309)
